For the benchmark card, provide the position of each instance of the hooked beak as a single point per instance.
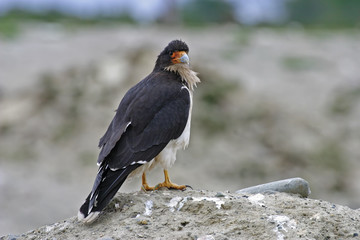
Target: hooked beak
(180, 57)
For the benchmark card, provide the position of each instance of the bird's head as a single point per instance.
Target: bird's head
(174, 53)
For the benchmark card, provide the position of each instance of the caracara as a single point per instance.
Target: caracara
(151, 123)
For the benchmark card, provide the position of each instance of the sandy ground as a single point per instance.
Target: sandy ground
(206, 215)
(273, 104)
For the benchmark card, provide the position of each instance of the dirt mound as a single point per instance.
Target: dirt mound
(209, 215)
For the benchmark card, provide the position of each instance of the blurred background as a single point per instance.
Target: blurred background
(279, 96)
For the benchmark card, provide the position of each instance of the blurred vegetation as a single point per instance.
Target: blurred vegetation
(203, 12)
(302, 63)
(213, 115)
(63, 95)
(330, 155)
(324, 13)
(57, 17)
(308, 13)
(9, 26)
(345, 101)
(10, 23)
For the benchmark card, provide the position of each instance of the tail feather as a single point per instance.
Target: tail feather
(106, 185)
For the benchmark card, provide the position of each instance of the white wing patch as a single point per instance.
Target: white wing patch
(138, 162)
(133, 163)
(127, 126)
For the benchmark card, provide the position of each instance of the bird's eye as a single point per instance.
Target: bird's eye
(171, 53)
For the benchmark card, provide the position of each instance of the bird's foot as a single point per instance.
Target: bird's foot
(167, 184)
(146, 188)
(170, 185)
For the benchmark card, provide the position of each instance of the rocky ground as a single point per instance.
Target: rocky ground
(273, 104)
(206, 215)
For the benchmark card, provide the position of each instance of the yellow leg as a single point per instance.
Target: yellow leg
(145, 187)
(168, 184)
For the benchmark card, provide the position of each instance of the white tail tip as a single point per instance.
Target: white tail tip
(89, 219)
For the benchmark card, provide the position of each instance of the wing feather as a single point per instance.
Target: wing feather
(151, 114)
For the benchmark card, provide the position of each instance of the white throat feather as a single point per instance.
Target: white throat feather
(186, 74)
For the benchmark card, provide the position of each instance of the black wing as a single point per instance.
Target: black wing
(151, 114)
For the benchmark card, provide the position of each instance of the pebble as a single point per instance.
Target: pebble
(219, 194)
(291, 185)
(143, 222)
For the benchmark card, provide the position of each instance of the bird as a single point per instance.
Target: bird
(151, 123)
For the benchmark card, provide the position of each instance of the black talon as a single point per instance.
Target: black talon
(188, 186)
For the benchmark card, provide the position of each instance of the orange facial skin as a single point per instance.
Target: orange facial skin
(175, 57)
